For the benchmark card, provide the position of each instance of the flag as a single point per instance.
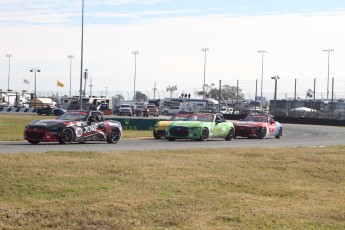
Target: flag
(60, 84)
(26, 81)
(310, 93)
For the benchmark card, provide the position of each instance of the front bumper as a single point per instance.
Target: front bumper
(35, 134)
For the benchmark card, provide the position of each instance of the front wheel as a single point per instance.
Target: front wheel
(66, 136)
(204, 134)
(171, 139)
(230, 135)
(114, 136)
(261, 134)
(280, 133)
(34, 142)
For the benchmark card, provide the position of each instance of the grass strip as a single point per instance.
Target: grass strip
(293, 188)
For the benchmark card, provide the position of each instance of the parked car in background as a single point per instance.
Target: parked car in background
(74, 126)
(151, 110)
(201, 126)
(50, 110)
(171, 110)
(226, 110)
(160, 127)
(259, 126)
(139, 110)
(125, 110)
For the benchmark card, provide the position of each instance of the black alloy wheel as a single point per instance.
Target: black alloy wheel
(66, 136)
(114, 136)
(230, 135)
(204, 134)
(261, 133)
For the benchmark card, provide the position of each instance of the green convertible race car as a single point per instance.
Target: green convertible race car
(201, 126)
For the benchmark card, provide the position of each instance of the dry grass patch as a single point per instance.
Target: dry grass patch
(298, 188)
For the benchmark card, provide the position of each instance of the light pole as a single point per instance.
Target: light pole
(70, 74)
(203, 86)
(81, 58)
(275, 77)
(9, 70)
(262, 70)
(328, 51)
(35, 71)
(135, 53)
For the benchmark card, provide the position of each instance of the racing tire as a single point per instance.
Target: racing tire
(204, 134)
(171, 139)
(261, 134)
(66, 136)
(280, 133)
(155, 135)
(34, 142)
(165, 113)
(114, 136)
(230, 135)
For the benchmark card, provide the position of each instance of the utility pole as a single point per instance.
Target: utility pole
(154, 90)
(205, 50)
(328, 51)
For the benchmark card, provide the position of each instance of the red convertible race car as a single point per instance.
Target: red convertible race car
(74, 126)
(259, 126)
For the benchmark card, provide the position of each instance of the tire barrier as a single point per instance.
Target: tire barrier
(17, 110)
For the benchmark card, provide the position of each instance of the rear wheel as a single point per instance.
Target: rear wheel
(261, 134)
(155, 135)
(230, 135)
(280, 133)
(66, 136)
(34, 142)
(204, 134)
(114, 136)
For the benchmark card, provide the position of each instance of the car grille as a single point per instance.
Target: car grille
(179, 131)
(243, 131)
(34, 135)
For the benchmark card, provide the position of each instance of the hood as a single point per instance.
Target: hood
(47, 123)
(187, 123)
(248, 123)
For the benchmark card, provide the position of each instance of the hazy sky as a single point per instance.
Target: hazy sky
(169, 35)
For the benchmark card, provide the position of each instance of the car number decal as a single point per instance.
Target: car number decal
(79, 132)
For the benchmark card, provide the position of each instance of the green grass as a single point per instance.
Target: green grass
(12, 127)
(278, 188)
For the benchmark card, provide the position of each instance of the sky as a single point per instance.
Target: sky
(169, 36)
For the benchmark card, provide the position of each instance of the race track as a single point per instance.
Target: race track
(293, 136)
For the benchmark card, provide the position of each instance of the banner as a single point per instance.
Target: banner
(26, 81)
(310, 93)
(60, 84)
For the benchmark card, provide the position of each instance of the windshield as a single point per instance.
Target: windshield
(201, 117)
(180, 117)
(255, 118)
(73, 116)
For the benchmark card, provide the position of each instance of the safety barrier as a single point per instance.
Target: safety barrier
(136, 123)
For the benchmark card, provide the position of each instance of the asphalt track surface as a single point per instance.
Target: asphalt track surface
(293, 136)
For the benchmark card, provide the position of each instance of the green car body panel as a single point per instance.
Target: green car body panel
(201, 127)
